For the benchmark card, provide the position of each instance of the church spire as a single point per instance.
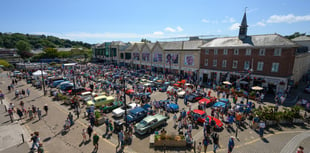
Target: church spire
(243, 27)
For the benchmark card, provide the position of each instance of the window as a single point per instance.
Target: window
(225, 52)
(215, 51)
(246, 65)
(224, 63)
(206, 62)
(235, 64)
(248, 52)
(214, 63)
(260, 66)
(207, 51)
(277, 52)
(262, 52)
(236, 52)
(275, 67)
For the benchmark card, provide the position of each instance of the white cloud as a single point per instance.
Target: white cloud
(170, 29)
(290, 18)
(234, 26)
(158, 33)
(205, 21)
(260, 24)
(179, 29)
(228, 20)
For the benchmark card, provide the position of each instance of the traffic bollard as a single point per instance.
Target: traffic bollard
(23, 138)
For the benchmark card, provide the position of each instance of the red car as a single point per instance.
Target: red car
(129, 91)
(202, 117)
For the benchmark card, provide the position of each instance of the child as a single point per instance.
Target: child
(199, 147)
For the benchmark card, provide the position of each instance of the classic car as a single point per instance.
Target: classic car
(149, 123)
(143, 95)
(129, 91)
(222, 102)
(118, 112)
(207, 101)
(110, 106)
(136, 114)
(78, 90)
(193, 97)
(202, 116)
(100, 100)
(181, 93)
(172, 107)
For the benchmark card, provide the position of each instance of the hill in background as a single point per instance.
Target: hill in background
(9, 40)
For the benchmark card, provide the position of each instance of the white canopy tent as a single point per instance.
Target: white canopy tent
(39, 73)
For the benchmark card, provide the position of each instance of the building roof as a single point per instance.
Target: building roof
(182, 45)
(270, 40)
(301, 38)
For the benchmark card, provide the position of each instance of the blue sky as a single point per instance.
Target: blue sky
(96, 21)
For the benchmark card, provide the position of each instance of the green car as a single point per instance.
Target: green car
(109, 107)
(100, 101)
(149, 123)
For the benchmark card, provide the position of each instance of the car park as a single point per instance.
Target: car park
(149, 123)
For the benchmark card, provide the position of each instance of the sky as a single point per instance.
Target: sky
(97, 21)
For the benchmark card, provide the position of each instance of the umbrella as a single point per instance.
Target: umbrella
(257, 88)
(227, 83)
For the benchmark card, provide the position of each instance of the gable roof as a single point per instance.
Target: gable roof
(271, 40)
(301, 38)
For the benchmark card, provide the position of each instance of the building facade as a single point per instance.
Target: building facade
(263, 60)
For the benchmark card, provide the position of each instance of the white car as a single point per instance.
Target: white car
(119, 112)
(181, 93)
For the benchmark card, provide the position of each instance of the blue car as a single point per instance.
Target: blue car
(169, 106)
(223, 102)
(136, 114)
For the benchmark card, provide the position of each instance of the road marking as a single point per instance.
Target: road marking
(257, 139)
(294, 142)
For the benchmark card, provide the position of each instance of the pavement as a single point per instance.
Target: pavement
(55, 141)
(11, 140)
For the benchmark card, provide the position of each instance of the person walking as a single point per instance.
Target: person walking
(89, 131)
(1, 97)
(10, 112)
(39, 113)
(231, 144)
(205, 144)
(34, 140)
(215, 138)
(262, 126)
(19, 113)
(45, 107)
(84, 135)
(34, 111)
(95, 141)
(28, 92)
(199, 147)
(120, 139)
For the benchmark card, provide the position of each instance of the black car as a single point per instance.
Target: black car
(193, 97)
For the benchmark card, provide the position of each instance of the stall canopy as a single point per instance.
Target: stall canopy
(39, 73)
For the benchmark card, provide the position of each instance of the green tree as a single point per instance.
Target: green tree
(23, 49)
(145, 40)
(50, 53)
(4, 63)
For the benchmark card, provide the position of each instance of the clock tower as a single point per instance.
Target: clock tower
(243, 28)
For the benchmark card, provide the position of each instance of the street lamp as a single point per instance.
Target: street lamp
(44, 92)
(124, 86)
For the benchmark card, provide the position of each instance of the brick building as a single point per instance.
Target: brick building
(263, 60)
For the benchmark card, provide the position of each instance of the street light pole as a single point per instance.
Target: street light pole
(43, 79)
(126, 122)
